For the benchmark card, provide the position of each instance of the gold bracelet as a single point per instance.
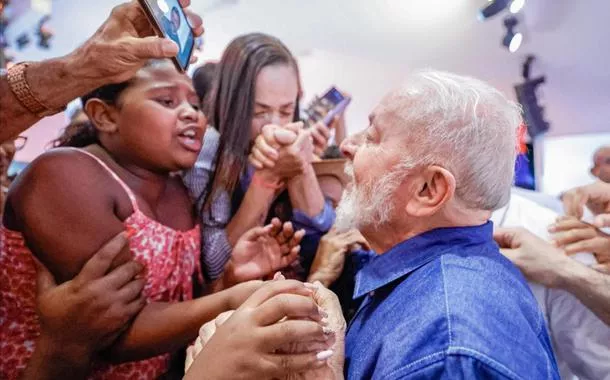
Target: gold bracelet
(22, 91)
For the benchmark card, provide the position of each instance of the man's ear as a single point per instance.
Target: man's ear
(103, 116)
(434, 187)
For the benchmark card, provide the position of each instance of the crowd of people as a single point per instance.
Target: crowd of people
(184, 227)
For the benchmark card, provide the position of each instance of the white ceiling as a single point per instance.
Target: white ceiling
(365, 46)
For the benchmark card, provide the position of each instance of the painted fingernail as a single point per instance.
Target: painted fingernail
(324, 355)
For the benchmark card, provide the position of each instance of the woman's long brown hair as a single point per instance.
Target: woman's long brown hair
(232, 103)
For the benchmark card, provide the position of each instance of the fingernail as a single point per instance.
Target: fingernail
(321, 356)
(552, 228)
(327, 330)
(169, 47)
(309, 285)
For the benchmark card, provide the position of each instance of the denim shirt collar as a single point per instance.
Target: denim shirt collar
(411, 254)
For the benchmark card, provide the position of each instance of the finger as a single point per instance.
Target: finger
(562, 239)
(259, 156)
(121, 275)
(44, 279)
(278, 276)
(289, 258)
(297, 238)
(276, 227)
(101, 261)
(273, 288)
(602, 221)
(286, 306)
(287, 231)
(278, 334)
(266, 149)
(195, 22)
(185, 3)
(253, 234)
(295, 127)
(254, 162)
(131, 291)
(566, 224)
(318, 138)
(590, 245)
(134, 308)
(505, 237)
(151, 47)
(323, 130)
(573, 204)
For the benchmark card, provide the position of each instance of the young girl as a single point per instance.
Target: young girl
(70, 201)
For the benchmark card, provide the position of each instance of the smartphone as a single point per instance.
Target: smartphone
(327, 107)
(168, 19)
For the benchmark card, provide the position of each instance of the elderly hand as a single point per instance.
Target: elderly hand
(329, 303)
(262, 251)
(124, 43)
(283, 150)
(539, 261)
(595, 196)
(575, 236)
(87, 313)
(330, 257)
(245, 344)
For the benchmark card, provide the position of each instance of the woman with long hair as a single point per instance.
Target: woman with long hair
(257, 83)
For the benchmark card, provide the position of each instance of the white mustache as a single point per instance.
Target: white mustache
(349, 170)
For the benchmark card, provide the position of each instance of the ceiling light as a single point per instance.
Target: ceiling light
(516, 6)
(492, 8)
(512, 39)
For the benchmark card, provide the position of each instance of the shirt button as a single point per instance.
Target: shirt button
(371, 294)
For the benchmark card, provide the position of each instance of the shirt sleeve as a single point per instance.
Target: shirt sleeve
(451, 367)
(215, 247)
(316, 225)
(582, 341)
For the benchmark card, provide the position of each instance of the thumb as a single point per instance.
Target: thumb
(153, 47)
(44, 279)
(602, 220)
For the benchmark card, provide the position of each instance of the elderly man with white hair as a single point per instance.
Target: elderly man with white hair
(439, 299)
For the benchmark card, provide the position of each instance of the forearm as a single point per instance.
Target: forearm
(54, 82)
(305, 193)
(53, 360)
(163, 327)
(590, 287)
(252, 212)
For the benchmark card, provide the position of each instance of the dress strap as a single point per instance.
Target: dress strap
(129, 192)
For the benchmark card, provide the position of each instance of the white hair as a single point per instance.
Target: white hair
(465, 126)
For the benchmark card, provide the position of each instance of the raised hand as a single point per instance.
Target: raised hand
(575, 236)
(262, 251)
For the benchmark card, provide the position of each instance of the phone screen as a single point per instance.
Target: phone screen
(325, 109)
(171, 20)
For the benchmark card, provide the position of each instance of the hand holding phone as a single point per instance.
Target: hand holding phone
(169, 20)
(324, 109)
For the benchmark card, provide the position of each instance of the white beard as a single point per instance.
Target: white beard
(367, 205)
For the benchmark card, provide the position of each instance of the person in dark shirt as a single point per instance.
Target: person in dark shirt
(439, 301)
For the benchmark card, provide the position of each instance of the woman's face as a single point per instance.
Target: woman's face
(275, 97)
(159, 123)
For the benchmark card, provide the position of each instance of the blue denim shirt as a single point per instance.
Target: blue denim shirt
(447, 305)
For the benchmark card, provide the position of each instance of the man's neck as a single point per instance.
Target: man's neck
(383, 238)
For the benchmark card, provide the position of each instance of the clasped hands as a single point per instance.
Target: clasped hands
(282, 153)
